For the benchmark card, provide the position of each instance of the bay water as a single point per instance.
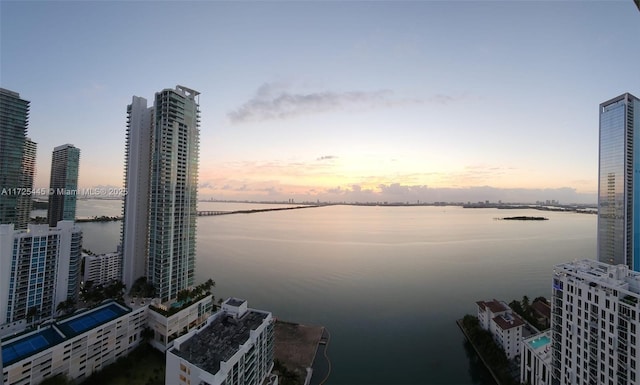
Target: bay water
(387, 282)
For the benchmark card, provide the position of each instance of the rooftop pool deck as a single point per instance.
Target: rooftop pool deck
(91, 319)
(539, 342)
(33, 342)
(29, 344)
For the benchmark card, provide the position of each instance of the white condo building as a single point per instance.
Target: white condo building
(234, 347)
(77, 347)
(595, 324)
(103, 268)
(505, 327)
(39, 268)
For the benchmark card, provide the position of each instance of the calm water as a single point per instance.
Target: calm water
(388, 282)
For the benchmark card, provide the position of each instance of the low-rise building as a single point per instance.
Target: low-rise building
(234, 347)
(173, 320)
(535, 362)
(77, 346)
(505, 326)
(542, 312)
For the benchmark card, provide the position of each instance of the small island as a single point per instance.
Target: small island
(525, 218)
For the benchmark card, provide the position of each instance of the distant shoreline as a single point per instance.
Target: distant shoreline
(524, 218)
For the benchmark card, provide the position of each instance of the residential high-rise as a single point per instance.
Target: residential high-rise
(63, 184)
(25, 201)
(595, 324)
(102, 269)
(161, 179)
(39, 268)
(618, 186)
(14, 120)
(137, 174)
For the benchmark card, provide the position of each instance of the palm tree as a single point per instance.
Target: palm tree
(66, 306)
(183, 295)
(209, 284)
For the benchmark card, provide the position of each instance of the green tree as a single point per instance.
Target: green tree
(67, 306)
(516, 307)
(209, 284)
(541, 299)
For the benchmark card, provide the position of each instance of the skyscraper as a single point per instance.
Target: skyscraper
(63, 184)
(28, 172)
(161, 179)
(137, 174)
(14, 120)
(618, 186)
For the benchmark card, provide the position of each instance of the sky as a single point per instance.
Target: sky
(335, 100)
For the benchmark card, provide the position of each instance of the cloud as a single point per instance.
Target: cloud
(278, 190)
(273, 101)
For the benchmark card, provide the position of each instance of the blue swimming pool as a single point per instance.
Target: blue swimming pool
(539, 342)
(91, 319)
(28, 345)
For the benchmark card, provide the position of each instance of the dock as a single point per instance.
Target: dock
(303, 350)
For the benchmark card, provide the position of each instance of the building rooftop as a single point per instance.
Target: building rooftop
(508, 321)
(495, 306)
(541, 308)
(219, 340)
(235, 301)
(27, 344)
(599, 273)
(89, 320)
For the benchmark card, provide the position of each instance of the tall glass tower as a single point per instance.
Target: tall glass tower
(63, 184)
(28, 172)
(619, 182)
(17, 156)
(170, 133)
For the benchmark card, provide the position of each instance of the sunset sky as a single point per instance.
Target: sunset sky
(335, 100)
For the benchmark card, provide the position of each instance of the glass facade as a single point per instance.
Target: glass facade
(173, 191)
(14, 119)
(25, 202)
(63, 184)
(618, 189)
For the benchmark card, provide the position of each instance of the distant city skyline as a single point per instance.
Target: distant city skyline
(336, 101)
